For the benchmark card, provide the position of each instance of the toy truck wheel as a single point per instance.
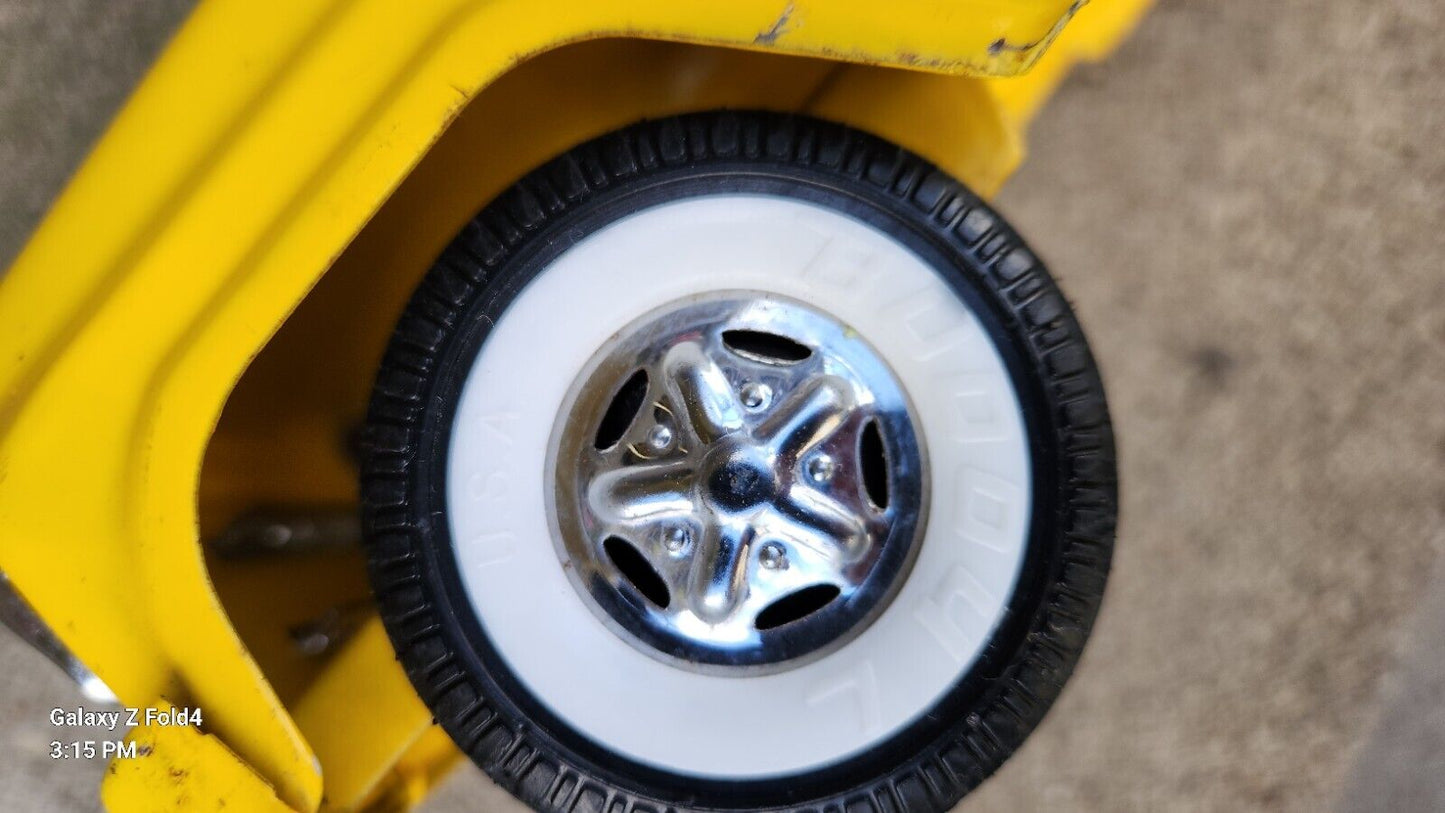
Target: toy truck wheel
(738, 461)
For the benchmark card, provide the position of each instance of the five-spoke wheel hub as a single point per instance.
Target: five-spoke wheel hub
(738, 482)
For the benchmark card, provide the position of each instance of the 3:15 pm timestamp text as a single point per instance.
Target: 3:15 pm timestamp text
(90, 749)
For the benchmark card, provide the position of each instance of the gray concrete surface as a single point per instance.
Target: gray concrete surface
(1398, 766)
(1247, 205)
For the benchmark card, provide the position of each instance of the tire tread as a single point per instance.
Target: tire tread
(1016, 702)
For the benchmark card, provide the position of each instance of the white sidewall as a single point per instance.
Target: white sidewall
(709, 725)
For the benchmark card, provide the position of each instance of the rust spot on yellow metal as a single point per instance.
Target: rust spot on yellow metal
(1001, 45)
(777, 29)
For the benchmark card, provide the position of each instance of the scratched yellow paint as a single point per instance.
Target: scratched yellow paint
(183, 769)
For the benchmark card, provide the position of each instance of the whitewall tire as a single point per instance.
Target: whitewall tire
(738, 462)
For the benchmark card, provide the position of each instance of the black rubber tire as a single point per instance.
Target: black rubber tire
(990, 710)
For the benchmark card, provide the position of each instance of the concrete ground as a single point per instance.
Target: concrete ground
(1247, 204)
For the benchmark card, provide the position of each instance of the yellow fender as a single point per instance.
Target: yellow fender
(277, 142)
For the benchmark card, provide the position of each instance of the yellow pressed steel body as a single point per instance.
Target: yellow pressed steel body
(278, 147)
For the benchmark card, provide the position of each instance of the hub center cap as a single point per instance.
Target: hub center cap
(738, 483)
(741, 481)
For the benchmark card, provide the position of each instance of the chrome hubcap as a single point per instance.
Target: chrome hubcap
(738, 483)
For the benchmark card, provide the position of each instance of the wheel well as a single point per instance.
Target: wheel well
(283, 451)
